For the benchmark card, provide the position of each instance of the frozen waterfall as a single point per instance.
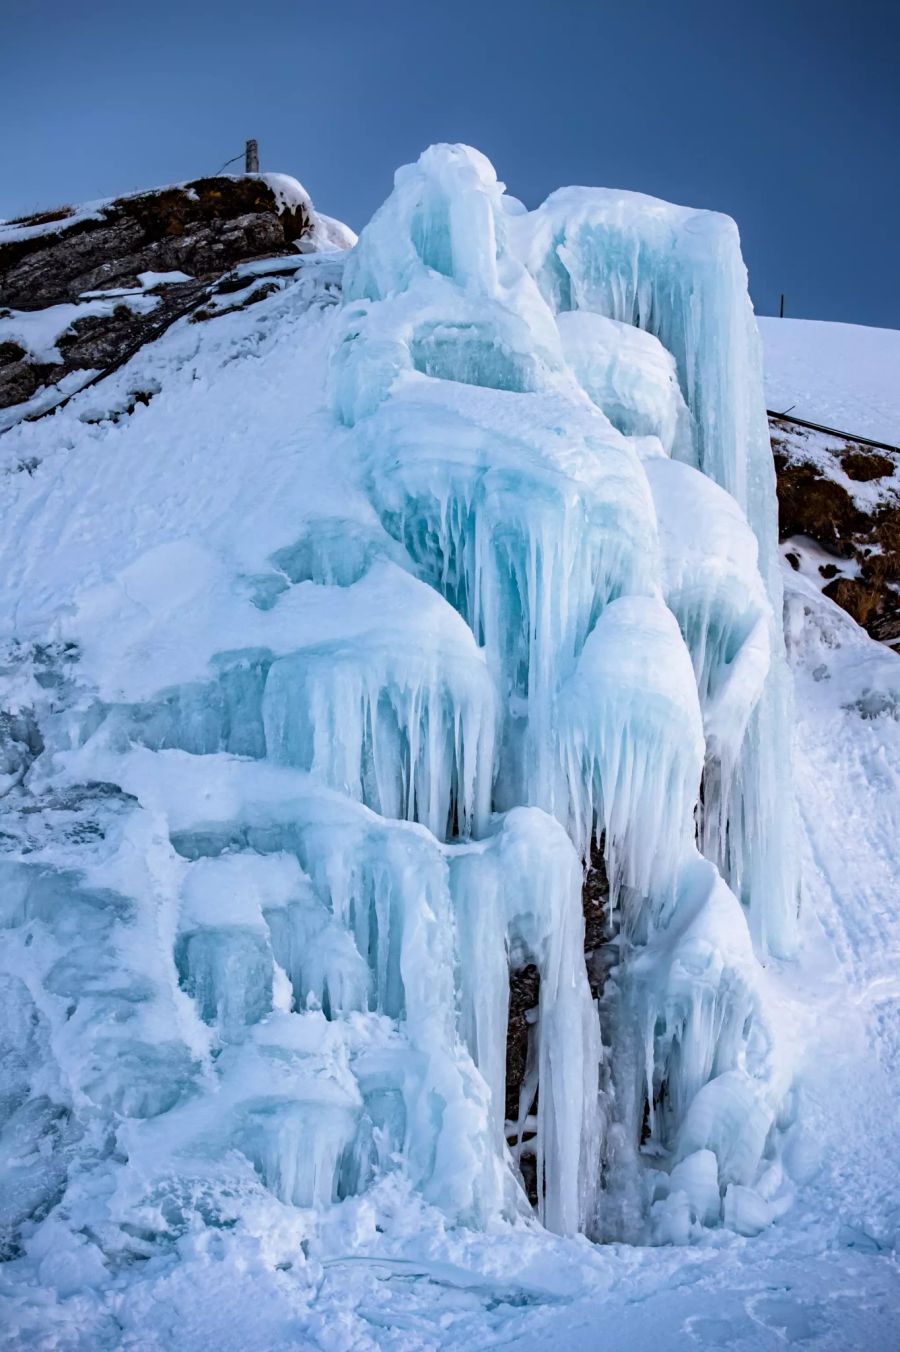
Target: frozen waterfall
(546, 649)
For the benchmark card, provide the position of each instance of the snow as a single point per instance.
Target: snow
(39, 331)
(289, 193)
(326, 233)
(334, 234)
(151, 279)
(45, 400)
(330, 661)
(85, 211)
(840, 375)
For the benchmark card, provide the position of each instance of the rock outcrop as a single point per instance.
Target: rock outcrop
(169, 248)
(202, 228)
(839, 515)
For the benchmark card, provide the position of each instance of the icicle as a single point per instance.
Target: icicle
(715, 591)
(678, 274)
(632, 748)
(405, 727)
(521, 891)
(527, 535)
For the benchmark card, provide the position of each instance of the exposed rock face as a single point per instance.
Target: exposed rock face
(845, 498)
(20, 377)
(202, 230)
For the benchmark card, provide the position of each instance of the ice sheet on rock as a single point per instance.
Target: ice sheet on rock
(334, 551)
(285, 1099)
(223, 713)
(387, 887)
(437, 290)
(223, 952)
(475, 499)
(698, 1077)
(729, 1116)
(278, 976)
(415, 912)
(385, 906)
(322, 964)
(713, 587)
(444, 333)
(410, 734)
(119, 1046)
(37, 1130)
(679, 274)
(697, 1177)
(629, 375)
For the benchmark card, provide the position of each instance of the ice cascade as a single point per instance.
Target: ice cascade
(520, 727)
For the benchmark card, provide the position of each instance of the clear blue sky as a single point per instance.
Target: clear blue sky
(783, 113)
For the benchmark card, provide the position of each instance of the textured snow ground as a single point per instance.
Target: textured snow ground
(183, 477)
(844, 376)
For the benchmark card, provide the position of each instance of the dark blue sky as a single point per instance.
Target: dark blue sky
(783, 113)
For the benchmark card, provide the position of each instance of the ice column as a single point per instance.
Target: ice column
(679, 274)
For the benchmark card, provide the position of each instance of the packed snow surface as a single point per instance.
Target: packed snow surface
(328, 672)
(840, 375)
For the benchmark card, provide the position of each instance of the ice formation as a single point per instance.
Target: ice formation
(372, 791)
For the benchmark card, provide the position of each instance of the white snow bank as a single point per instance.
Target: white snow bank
(39, 331)
(844, 376)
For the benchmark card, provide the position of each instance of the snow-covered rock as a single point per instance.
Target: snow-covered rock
(85, 288)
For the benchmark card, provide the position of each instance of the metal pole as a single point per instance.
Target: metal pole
(780, 309)
(251, 159)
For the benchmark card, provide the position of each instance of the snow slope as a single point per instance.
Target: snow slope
(840, 375)
(149, 541)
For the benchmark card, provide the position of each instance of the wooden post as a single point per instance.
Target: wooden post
(251, 158)
(780, 308)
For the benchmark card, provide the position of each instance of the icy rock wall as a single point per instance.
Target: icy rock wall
(281, 965)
